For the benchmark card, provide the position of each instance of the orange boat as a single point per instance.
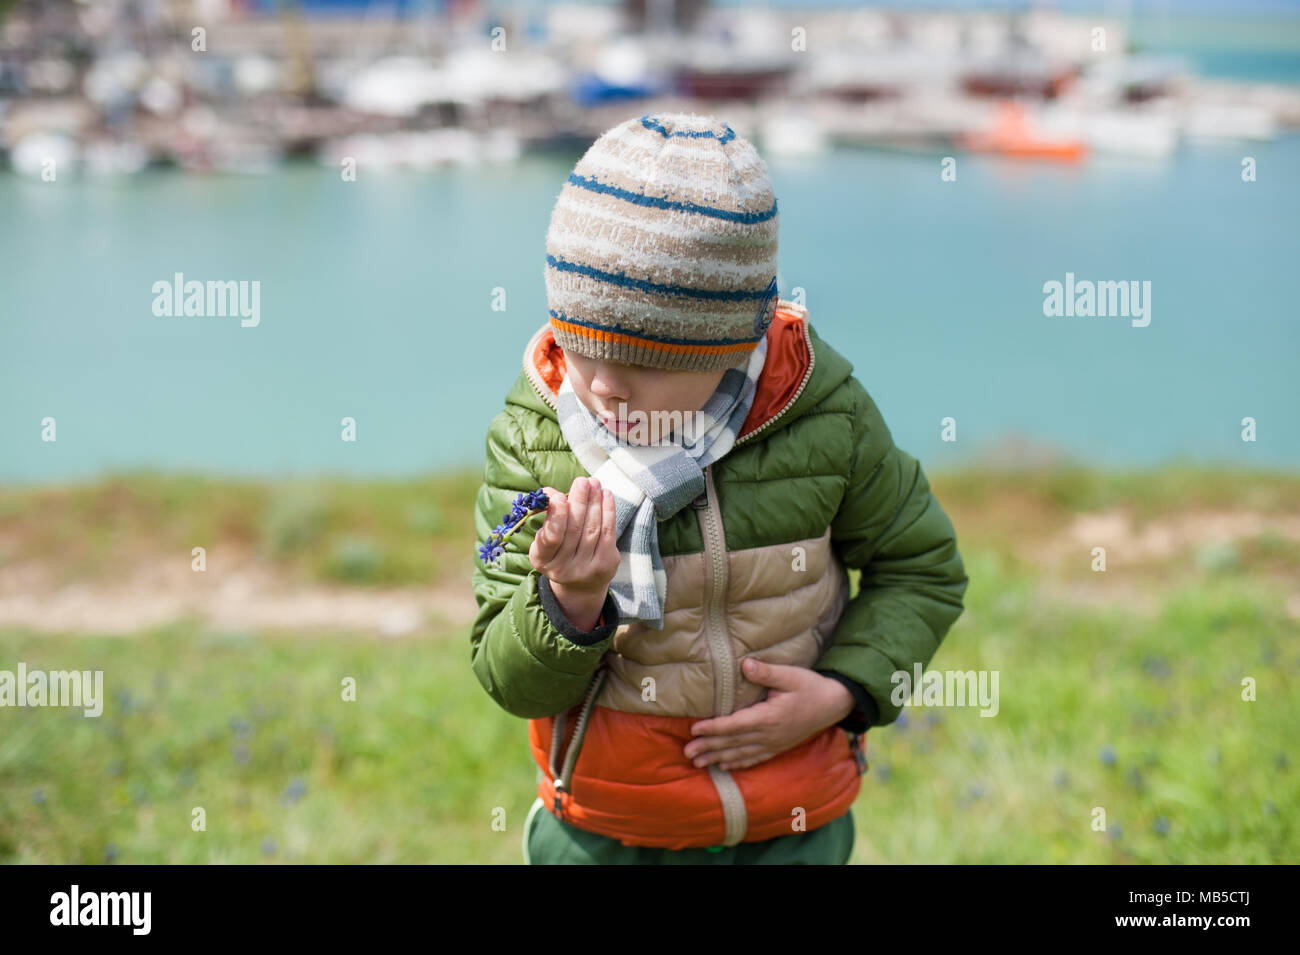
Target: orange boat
(1012, 136)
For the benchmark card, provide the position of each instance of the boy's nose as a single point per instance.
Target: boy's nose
(609, 384)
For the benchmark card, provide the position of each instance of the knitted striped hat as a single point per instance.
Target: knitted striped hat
(661, 249)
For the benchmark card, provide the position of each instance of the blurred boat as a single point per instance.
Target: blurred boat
(735, 80)
(1141, 133)
(37, 153)
(1124, 134)
(396, 86)
(1230, 122)
(114, 158)
(622, 70)
(857, 76)
(792, 135)
(709, 69)
(1137, 78)
(1011, 135)
(1024, 72)
(430, 149)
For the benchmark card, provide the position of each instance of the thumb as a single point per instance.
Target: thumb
(778, 676)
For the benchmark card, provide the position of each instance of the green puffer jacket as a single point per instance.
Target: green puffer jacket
(813, 486)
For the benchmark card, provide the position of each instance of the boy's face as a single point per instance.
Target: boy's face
(635, 402)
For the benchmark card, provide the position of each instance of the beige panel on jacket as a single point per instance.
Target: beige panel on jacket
(782, 607)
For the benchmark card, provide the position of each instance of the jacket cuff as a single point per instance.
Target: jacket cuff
(609, 617)
(865, 713)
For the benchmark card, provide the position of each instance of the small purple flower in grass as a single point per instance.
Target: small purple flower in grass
(524, 506)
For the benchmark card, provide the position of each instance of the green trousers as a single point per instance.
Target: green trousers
(551, 841)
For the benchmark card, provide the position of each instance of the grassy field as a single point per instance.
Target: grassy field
(1120, 690)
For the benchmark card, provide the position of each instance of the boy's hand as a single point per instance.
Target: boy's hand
(576, 548)
(800, 704)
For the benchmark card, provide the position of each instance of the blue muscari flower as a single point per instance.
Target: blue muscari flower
(297, 789)
(524, 505)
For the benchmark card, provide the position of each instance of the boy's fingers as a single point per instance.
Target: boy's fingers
(742, 721)
(551, 535)
(711, 744)
(737, 754)
(577, 514)
(608, 527)
(591, 524)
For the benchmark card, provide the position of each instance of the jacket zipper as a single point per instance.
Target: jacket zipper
(530, 372)
(734, 813)
(563, 776)
(715, 591)
(812, 360)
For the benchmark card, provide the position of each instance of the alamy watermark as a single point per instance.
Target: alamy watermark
(83, 688)
(131, 909)
(654, 427)
(1088, 299)
(193, 299)
(946, 688)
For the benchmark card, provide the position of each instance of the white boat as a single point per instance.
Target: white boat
(1144, 133)
(423, 150)
(397, 86)
(792, 135)
(1229, 122)
(36, 153)
(1129, 134)
(112, 158)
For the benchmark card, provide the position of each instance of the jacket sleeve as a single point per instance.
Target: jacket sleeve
(893, 530)
(527, 655)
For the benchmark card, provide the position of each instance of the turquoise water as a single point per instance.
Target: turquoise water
(376, 303)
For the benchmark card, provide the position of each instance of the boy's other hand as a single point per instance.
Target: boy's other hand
(577, 549)
(801, 703)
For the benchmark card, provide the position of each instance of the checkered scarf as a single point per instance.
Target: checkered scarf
(653, 482)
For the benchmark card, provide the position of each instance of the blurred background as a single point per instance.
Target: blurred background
(385, 172)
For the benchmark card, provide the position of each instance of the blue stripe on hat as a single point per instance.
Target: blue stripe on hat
(627, 281)
(725, 138)
(591, 185)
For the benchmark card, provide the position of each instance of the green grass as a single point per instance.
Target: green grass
(239, 725)
(328, 530)
(252, 727)
(414, 768)
(1164, 694)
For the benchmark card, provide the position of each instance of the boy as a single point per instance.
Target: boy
(680, 618)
